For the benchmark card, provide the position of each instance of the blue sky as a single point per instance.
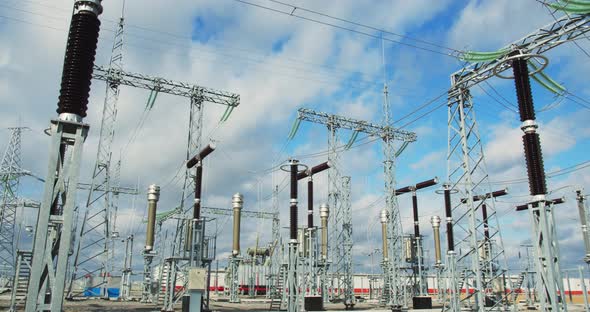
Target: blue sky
(278, 63)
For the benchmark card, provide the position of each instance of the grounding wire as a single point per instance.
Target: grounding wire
(346, 29)
(233, 48)
(263, 60)
(499, 94)
(496, 100)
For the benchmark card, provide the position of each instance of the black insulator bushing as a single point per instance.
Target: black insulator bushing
(310, 203)
(415, 210)
(448, 212)
(78, 63)
(200, 156)
(534, 163)
(293, 207)
(198, 183)
(426, 184)
(486, 229)
(293, 222)
(293, 181)
(523, 89)
(403, 190)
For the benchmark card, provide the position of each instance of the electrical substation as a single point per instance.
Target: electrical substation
(242, 226)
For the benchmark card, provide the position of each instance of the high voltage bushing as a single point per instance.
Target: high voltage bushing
(293, 201)
(153, 197)
(413, 189)
(435, 221)
(449, 216)
(384, 219)
(487, 195)
(79, 60)
(309, 173)
(197, 160)
(324, 214)
(535, 204)
(532, 145)
(237, 204)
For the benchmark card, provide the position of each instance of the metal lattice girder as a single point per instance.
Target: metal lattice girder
(245, 213)
(484, 262)
(165, 86)
(564, 29)
(97, 225)
(355, 125)
(10, 173)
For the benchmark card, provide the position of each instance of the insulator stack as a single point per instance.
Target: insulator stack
(293, 203)
(532, 144)
(153, 197)
(486, 228)
(534, 163)
(415, 210)
(198, 184)
(79, 60)
(435, 221)
(324, 214)
(310, 203)
(523, 89)
(237, 204)
(384, 219)
(449, 215)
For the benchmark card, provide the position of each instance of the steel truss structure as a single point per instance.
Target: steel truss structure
(10, 173)
(340, 228)
(467, 171)
(98, 223)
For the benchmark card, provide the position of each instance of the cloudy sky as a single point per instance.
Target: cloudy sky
(278, 63)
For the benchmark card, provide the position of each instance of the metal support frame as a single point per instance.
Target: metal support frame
(338, 234)
(463, 128)
(581, 199)
(54, 233)
(10, 173)
(467, 174)
(549, 281)
(127, 270)
(98, 223)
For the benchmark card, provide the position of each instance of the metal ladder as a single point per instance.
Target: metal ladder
(278, 290)
(21, 279)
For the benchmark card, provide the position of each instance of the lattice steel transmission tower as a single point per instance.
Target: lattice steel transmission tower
(97, 225)
(10, 173)
(338, 236)
(467, 172)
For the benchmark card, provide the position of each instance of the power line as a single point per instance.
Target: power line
(346, 29)
(367, 26)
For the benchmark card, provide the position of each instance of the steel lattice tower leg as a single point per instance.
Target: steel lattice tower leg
(54, 232)
(193, 146)
(335, 204)
(10, 172)
(467, 174)
(97, 227)
(395, 233)
(349, 299)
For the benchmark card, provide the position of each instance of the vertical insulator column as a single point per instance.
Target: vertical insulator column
(324, 214)
(293, 202)
(449, 215)
(435, 221)
(582, 211)
(384, 220)
(532, 146)
(310, 202)
(415, 210)
(153, 197)
(79, 60)
(237, 204)
(486, 228)
(198, 187)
